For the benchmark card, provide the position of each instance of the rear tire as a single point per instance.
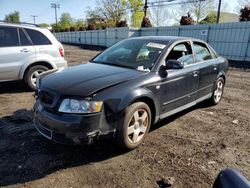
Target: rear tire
(218, 91)
(32, 74)
(134, 126)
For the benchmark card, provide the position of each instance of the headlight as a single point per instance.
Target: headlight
(80, 106)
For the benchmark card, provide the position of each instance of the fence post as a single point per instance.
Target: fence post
(179, 31)
(106, 36)
(248, 43)
(208, 31)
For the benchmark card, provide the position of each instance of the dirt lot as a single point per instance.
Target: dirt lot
(190, 147)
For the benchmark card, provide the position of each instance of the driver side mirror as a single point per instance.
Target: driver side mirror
(173, 64)
(170, 64)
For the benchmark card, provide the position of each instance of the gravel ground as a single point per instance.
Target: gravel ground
(188, 149)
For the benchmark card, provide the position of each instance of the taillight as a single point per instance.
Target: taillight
(61, 51)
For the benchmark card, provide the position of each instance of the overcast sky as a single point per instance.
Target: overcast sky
(42, 8)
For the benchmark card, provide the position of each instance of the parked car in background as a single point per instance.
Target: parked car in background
(127, 88)
(27, 51)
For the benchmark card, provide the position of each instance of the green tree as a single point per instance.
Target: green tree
(79, 23)
(44, 25)
(136, 7)
(13, 17)
(66, 21)
(210, 19)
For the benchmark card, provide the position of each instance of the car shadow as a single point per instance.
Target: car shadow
(13, 87)
(27, 156)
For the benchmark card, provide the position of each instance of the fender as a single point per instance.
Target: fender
(140, 93)
(26, 65)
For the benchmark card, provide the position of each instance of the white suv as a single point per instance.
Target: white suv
(28, 51)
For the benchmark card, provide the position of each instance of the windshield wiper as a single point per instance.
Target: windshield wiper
(108, 63)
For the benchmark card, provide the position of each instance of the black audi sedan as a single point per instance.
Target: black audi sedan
(127, 88)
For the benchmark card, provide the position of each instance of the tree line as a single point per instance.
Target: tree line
(114, 13)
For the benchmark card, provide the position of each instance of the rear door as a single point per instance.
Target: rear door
(178, 89)
(42, 44)
(208, 69)
(15, 51)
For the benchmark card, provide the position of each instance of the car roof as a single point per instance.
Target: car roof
(22, 25)
(167, 39)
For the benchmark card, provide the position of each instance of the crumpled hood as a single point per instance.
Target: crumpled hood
(87, 79)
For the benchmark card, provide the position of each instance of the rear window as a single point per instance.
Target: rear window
(8, 37)
(37, 37)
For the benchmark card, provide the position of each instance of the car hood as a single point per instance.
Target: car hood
(87, 79)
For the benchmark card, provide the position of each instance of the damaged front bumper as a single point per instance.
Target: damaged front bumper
(71, 128)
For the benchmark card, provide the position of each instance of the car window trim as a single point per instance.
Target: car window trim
(205, 47)
(26, 34)
(177, 43)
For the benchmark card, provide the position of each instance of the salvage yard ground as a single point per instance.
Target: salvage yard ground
(190, 148)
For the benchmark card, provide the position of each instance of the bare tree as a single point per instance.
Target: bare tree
(159, 15)
(199, 10)
(243, 3)
(111, 11)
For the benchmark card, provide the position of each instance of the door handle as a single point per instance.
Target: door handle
(24, 50)
(195, 73)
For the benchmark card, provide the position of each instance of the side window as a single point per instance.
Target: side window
(201, 52)
(183, 53)
(37, 37)
(23, 39)
(8, 37)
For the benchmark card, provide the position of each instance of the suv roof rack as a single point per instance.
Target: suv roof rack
(20, 23)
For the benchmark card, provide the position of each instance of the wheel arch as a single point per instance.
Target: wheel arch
(42, 63)
(151, 104)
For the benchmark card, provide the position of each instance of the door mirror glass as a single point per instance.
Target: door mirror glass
(173, 64)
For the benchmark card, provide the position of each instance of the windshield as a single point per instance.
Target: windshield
(134, 53)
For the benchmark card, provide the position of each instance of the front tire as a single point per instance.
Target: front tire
(218, 91)
(32, 74)
(135, 126)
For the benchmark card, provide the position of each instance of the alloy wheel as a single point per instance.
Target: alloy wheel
(138, 126)
(219, 90)
(34, 76)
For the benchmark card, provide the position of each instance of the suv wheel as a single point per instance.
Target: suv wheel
(135, 126)
(32, 74)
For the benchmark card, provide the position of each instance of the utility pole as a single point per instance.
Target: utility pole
(218, 12)
(55, 6)
(145, 8)
(34, 18)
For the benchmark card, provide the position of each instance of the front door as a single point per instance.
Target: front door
(178, 89)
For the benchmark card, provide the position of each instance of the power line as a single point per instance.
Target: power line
(55, 6)
(171, 2)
